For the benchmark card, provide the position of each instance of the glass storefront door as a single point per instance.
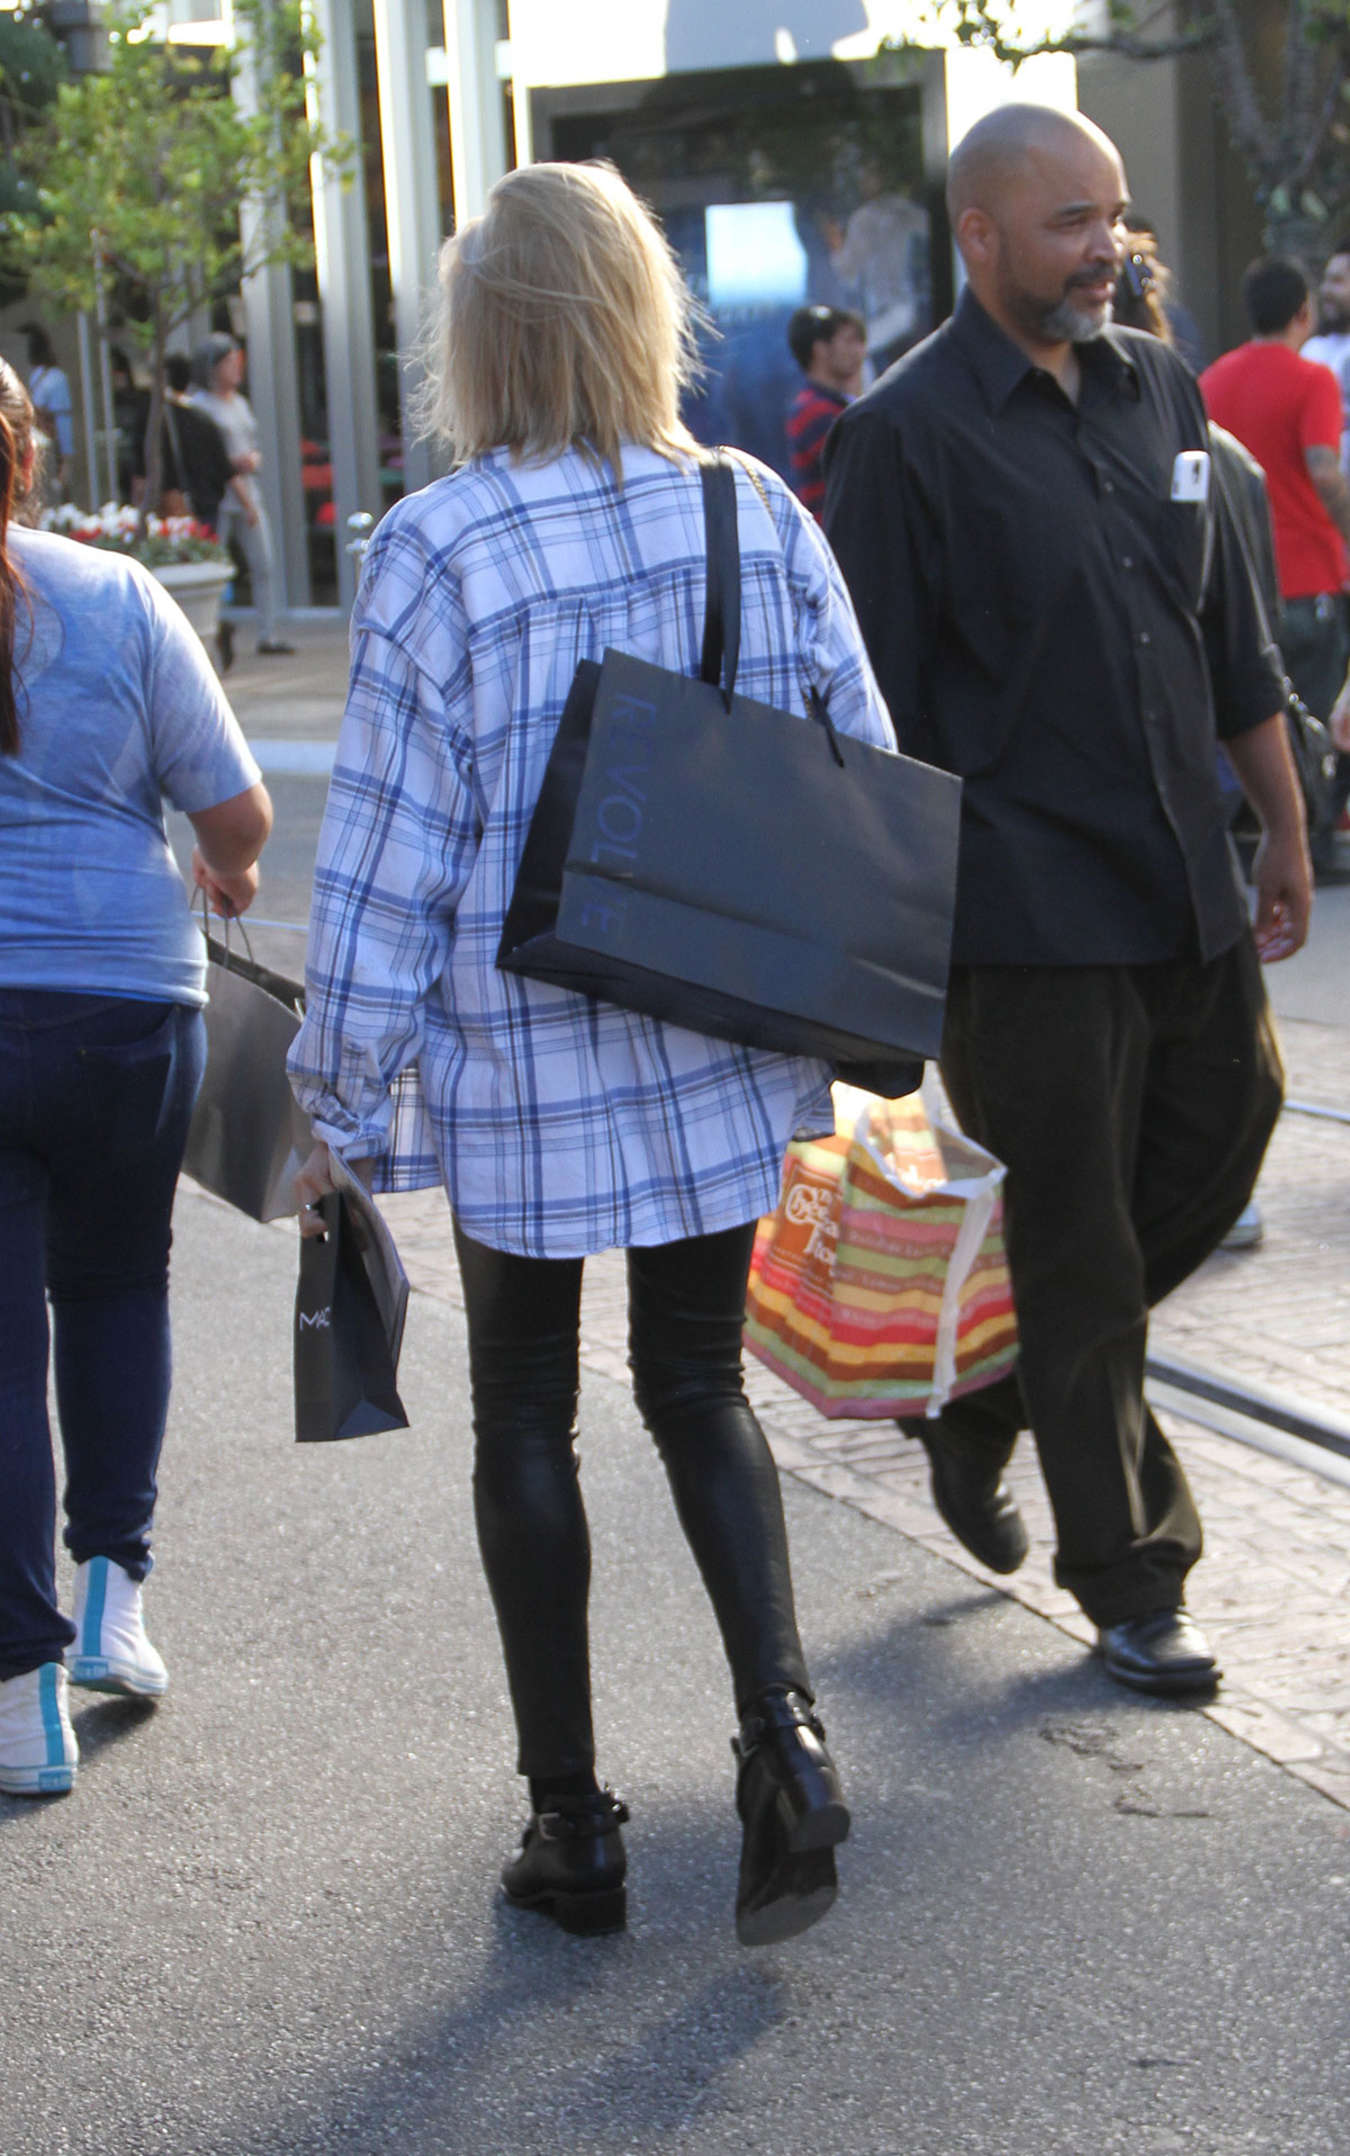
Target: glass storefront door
(780, 186)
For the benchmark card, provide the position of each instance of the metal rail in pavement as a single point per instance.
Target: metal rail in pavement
(1278, 1423)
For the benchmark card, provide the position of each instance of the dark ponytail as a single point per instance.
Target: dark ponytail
(16, 437)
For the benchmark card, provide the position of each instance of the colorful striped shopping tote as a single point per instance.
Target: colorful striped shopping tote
(880, 1286)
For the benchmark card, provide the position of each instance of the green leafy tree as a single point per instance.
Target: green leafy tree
(31, 71)
(156, 182)
(1280, 72)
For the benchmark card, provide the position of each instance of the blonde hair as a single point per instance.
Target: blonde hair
(17, 437)
(563, 321)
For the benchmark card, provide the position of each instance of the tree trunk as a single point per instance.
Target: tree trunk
(154, 430)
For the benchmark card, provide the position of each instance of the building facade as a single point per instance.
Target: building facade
(794, 149)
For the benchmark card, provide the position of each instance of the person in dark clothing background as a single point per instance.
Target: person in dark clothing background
(196, 470)
(1140, 303)
(1057, 609)
(1175, 322)
(196, 462)
(131, 405)
(1286, 410)
(829, 344)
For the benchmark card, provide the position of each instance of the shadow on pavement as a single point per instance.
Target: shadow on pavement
(97, 1723)
(542, 2002)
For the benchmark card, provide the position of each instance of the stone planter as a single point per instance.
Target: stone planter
(198, 587)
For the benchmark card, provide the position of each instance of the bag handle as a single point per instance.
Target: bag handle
(722, 616)
(722, 606)
(222, 942)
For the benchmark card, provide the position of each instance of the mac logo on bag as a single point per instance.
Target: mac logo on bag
(316, 1320)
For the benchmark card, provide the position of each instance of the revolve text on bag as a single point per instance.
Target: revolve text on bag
(619, 817)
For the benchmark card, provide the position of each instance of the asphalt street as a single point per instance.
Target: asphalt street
(1072, 1922)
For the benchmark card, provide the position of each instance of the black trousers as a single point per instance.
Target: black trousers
(686, 1312)
(1132, 1106)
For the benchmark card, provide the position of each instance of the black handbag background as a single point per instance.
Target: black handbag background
(1243, 487)
(1315, 762)
(346, 1355)
(736, 869)
(248, 1134)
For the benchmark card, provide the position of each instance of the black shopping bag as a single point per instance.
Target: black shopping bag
(346, 1346)
(1315, 760)
(736, 869)
(248, 1134)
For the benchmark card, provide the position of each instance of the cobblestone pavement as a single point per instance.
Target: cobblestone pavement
(1273, 1589)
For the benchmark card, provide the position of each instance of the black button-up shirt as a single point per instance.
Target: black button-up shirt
(1046, 621)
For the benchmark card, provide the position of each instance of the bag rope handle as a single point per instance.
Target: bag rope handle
(223, 940)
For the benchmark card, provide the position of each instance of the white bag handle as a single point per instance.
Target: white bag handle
(976, 1183)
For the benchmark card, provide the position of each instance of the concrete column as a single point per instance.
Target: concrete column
(271, 389)
(522, 117)
(412, 211)
(342, 249)
(477, 120)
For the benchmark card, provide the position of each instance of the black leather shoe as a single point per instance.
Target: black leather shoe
(977, 1505)
(572, 1864)
(1163, 1652)
(793, 1816)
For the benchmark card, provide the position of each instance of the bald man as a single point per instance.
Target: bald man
(1055, 603)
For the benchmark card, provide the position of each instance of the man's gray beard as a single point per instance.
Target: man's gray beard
(1067, 324)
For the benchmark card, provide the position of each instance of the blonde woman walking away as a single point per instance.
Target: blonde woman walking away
(561, 1126)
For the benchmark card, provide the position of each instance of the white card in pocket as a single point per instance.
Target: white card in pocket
(1190, 476)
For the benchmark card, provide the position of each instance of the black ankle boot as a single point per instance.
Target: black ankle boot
(793, 1816)
(572, 1863)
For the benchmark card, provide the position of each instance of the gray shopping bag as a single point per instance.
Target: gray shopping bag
(248, 1136)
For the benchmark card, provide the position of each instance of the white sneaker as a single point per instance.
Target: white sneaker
(38, 1752)
(111, 1652)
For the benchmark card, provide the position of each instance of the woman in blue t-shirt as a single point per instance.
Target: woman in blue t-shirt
(107, 705)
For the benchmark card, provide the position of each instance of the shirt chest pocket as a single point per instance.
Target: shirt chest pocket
(1008, 579)
(1184, 536)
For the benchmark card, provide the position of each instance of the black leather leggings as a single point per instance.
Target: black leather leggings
(686, 1308)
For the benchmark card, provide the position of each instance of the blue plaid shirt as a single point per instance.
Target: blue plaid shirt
(558, 1125)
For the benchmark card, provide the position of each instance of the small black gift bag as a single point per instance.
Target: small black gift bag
(346, 1345)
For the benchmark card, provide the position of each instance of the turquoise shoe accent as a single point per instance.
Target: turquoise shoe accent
(38, 1752)
(111, 1652)
(95, 1601)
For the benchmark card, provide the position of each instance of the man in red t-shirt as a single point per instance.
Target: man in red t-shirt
(1287, 411)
